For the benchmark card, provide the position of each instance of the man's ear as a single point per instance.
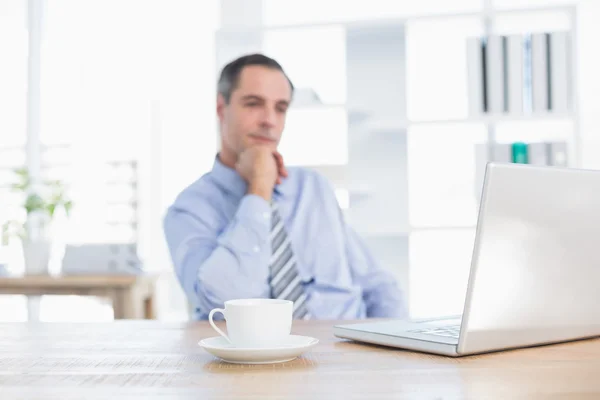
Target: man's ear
(221, 104)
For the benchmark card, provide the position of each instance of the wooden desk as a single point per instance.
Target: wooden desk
(153, 360)
(132, 295)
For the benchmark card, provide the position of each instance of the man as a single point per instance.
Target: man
(253, 228)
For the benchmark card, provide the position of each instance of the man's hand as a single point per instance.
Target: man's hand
(261, 169)
(282, 171)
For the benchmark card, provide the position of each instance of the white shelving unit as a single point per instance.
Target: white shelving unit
(390, 175)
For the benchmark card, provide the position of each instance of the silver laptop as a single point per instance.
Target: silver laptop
(535, 270)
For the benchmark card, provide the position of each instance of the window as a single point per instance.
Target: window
(13, 110)
(129, 103)
(13, 73)
(133, 106)
(13, 130)
(112, 99)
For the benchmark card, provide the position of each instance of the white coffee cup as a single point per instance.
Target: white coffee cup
(255, 322)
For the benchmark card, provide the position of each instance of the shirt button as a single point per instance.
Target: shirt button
(256, 249)
(266, 215)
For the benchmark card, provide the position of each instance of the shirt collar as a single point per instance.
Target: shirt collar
(229, 179)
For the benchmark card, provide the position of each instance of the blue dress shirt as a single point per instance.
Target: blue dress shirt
(218, 238)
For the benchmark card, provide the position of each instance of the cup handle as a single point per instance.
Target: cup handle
(215, 327)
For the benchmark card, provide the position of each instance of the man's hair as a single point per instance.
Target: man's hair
(230, 74)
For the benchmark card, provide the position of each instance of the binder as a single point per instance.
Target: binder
(502, 152)
(559, 72)
(519, 153)
(475, 78)
(514, 65)
(537, 153)
(495, 74)
(527, 75)
(557, 154)
(540, 77)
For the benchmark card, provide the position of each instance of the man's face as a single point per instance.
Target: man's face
(256, 111)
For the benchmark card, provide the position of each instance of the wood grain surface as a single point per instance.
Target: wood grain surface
(72, 281)
(132, 295)
(154, 360)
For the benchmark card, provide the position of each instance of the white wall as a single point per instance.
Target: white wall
(589, 82)
(377, 143)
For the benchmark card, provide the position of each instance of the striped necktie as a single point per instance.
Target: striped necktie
(285, 280)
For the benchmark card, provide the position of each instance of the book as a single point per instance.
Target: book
(539, 72)
(495, 75)
(502, 152)
(519, 153)
(527, 76)
(557, 154)
(537, 153)
(514, 67)
(559, 67)
(475, 76)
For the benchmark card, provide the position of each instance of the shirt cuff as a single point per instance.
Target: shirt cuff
(255, 208)
(250, 231)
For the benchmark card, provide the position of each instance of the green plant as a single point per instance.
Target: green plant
(43, 199)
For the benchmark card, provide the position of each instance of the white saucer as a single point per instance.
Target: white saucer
(292, 348)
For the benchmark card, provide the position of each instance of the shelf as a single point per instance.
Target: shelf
(361, 119)
(410, 230)
(112, 163)
(315, 106)
(358, 190)
(112, 223)
(47, 165)
(383, 125)
(414, 229)
(380, 123)
(382, 233)
(539, 116)
(356, 194)
(380, 22)
(133, 203)
(123, 182)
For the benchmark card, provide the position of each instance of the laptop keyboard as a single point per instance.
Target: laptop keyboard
(449, 331)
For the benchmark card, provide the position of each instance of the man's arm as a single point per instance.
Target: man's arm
(213, 267)
(381, 292)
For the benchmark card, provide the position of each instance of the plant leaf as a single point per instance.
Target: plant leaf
(51, 207)
(51, 194)
(5, 234)
(68, 206)
(10, 229)
(33, 203)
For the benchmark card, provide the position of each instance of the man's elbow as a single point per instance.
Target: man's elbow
(197, 289)
(208, 285)
(386, 303)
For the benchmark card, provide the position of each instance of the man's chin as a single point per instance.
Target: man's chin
(263, 143)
